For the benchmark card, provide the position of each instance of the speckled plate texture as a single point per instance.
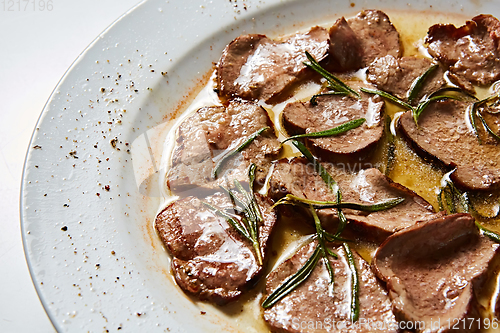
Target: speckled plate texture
(90, 186)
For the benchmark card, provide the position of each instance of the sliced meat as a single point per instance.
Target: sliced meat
(211, 131)
(332, 111)
(346, 52)
(471, 51)
(377, 35)
(444, 133)
(256, 67)
(310, 302)
(355, 43)
(298, 177)
(396, 75)
(211, 260)
(433, 271)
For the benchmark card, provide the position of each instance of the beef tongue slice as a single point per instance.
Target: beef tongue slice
(312, 308)
(212, 131)
(396, 75)
(211, 260)
(471, 51)
(256, 67)
(433, 271)
(443, 132)
(334, 110)
(298, 177)
(355, 43)
(346, 51)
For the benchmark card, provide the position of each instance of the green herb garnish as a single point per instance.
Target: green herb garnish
(293, 200)
(354, 283)
(416, 112)
(330, 182)
(391, 149)
(492, 235)
(334, 82)
(388, 96)
(352, 124)
(471, 110)
(418, 84)
(294, 281)
(456, 200)
(248, 207)
(413, 92)
(486, 127)
(337, 93)
(230, 153)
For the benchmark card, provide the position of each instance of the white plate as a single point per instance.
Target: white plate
(94, 257)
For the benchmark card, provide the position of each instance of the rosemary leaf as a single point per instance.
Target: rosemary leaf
(239, 205)
(486, 127)
(315, 97)
(416, 112)
(248, 205)
(333, 254)
(251, 177)
(333, 81)
(471, 112)
(342, 218)
(492, 235)
(352, 124)
(440, 199)
(235, 224)
(293, 200)
(293, 281)
(233, 152)
(330, 182)
(418, 84)
(253, 220)
(332, 238)
(354, 283)
(388, 96)
(391, 149)
(324, 251)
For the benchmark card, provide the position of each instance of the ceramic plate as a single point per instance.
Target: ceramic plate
(90, 185)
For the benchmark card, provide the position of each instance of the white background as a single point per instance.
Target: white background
(36, 48)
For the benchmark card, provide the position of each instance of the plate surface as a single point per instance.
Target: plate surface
(89, 192)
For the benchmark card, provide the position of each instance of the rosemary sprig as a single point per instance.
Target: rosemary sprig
(418, 84)
(293, 281)
(315, 97)
(354, 283)
(456, 200)
(471, 110)
(347, 126)
(242, 229)
(334, 82)
(391, 149)
(492, 235)
(290, 199)
(251, 177)
(415, 111)
(324, 250)
(388, 96)
(342, 219)
(230, 153)
(330, 182)
(486, 127)
(246, 206)
(474, 110)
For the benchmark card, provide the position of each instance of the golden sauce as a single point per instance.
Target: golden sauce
(409, 169)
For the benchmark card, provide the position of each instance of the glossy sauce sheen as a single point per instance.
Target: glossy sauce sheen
(409, 169)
